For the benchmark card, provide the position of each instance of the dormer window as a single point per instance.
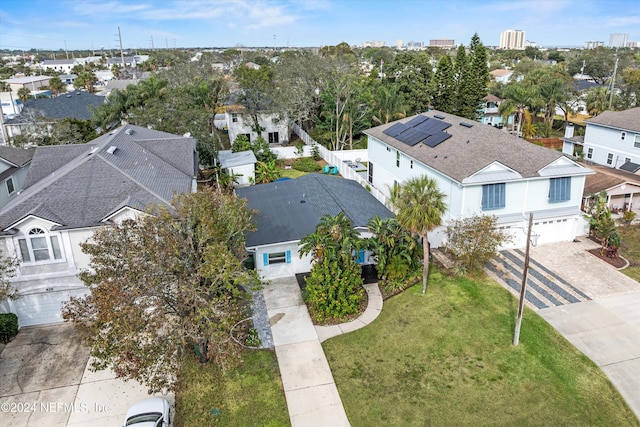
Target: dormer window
(39, 246)
(10, 187)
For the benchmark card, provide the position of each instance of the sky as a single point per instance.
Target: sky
(93, 24)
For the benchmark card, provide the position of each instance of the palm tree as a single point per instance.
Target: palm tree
(420, 206)
(517, 99)
(23, 94)
(56, 85)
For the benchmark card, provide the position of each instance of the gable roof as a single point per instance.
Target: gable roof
(289, 210)
(73, 104)
(473, 147)
(492, 98)
(501, 73)
(241, 158)
(625, 120)
(80, 185)
(607, 178)
(18, 157)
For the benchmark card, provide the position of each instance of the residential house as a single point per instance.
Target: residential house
(240, 165)
(59, 65)
(289, 210)
(501, 76)
(490, 115)
(70, 191)
(14, 164)
(482, 170)
(129, 61)
(34, 83)
(622, 187)
(610, 139)
(239, 122)
(75, 105)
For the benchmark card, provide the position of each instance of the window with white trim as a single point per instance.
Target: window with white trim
(39, 246)
(559, 189)
(234, 117)
(589, 153)
(623, 135)
(610, 158)
(397, 158)
(10, 187)
(636, 141)
(277, 258)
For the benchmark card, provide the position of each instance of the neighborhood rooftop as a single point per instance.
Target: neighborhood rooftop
(81, 185)
(627, 119)
(289, 210)
(468, 147)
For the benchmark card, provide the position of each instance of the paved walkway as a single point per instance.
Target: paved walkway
(594, 306)
(309, 387)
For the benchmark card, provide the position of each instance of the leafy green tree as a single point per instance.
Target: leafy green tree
(473, 80)
(420, 206)
(518, 99)
(597, 100)
(86, 80)
(460, 69)
(412, 72)
(256, 87)
(597, 63)
(162, 284)
(241, 143)
(474, 241)
(23, 94)
(56, 85)
(266, 172)
(396, 252)
(334, 287)
(601, 224)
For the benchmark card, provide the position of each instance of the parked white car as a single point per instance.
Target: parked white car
(151, 412)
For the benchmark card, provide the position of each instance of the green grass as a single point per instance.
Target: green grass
(250, 395)
(630, 249)
(447, 359)
(291, 173)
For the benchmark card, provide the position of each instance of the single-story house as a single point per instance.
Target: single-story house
(289, 210)
(242, 165)
(622, 187)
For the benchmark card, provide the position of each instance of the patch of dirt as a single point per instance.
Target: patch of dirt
(616, 261)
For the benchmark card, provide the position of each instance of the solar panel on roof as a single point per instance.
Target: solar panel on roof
(433, 126)
(411, 137)
(416, 121)
(395, 129)
(437, 139)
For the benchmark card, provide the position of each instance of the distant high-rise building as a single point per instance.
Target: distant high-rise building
(618, 40)
(512, 39)
(633, 45)
(442, 43)
(592, 44)
(411, 45)
(374, 43)
(399, 43)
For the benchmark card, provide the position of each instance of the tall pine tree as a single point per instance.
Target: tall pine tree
(444, 90)
(478, 77)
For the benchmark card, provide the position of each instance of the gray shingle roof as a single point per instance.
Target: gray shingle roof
(79, 185)
(16, 156)
(625, 120)
(283, 217)
(229, 159)
(73, 104)
(470, 149)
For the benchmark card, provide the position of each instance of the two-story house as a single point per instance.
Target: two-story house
(70, 191)
(275, 130)
(610, 139)
(482, 170)
(490, 113)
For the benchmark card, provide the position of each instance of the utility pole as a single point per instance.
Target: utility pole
(121, 51)
(613, 81)
(523, 290)
(65, 49)
(152, 47)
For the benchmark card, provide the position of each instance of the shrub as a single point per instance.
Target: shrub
(252, 340)
(628, 217)
(8, 326)
(305, 164)
(315, 152)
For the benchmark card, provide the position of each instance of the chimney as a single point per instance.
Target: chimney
(568, 131)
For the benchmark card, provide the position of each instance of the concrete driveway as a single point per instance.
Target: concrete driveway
(45, 381)
(589, 302)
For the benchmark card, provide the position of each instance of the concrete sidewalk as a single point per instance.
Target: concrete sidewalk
(311, 393)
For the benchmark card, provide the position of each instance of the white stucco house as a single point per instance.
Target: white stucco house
(241, 165)
(69, 191)
(610, 139)
(289, 210)
(239, 122)
(482, 170)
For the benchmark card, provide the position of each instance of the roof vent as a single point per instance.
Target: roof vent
(465, 124)
(129, 131)
(112, 149)
(438, 116)
(78, 93)
(68, 96)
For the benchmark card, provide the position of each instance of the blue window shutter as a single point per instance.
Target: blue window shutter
(360, 258)
(265, 258)
(288, 257)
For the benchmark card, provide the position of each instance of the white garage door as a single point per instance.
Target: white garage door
(39, 309)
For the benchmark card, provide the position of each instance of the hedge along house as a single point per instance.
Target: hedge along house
(289, 210)
(482, 170)
(69, 191)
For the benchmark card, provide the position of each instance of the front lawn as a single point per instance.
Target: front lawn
(447, 359)
(630, 249)
(250, 395)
